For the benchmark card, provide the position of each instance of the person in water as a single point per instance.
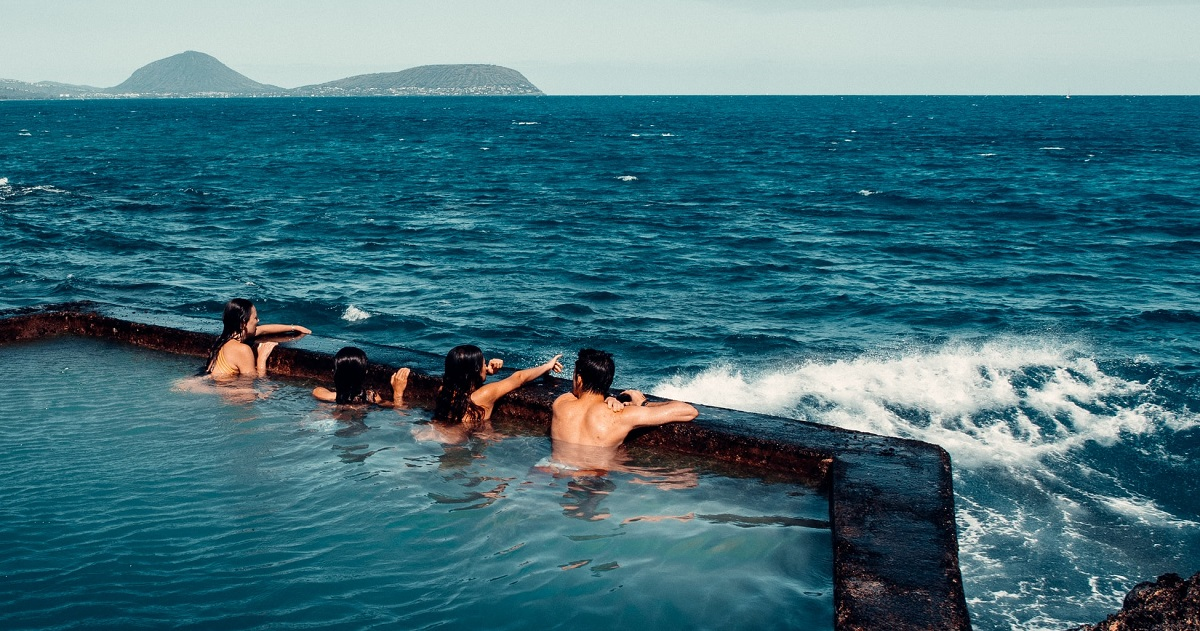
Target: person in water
(232, 355)
(587, 431)
(464, 403)
(349, 375)
(587, 417)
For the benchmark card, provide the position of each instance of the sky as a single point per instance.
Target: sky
(572, 47)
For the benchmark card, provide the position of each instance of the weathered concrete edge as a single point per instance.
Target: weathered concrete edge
(891, 500)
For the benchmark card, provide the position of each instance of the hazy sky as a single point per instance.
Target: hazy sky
(635, 46)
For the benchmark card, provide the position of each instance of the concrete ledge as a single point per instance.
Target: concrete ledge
(891, 500)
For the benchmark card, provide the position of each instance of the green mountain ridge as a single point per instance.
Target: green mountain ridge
(194, 74)
(190, 73)
(464, 78)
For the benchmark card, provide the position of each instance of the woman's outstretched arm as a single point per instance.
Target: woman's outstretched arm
(276, 329)
(487, 395)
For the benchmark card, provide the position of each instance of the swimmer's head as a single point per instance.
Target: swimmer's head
(594, 371)
(464, 374)
(240, 319)
(464, 368)
(349, 372)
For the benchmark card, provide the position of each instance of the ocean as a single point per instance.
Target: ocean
(1012, 278)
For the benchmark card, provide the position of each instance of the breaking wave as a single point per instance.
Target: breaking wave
(1000, 402)
(354, 314)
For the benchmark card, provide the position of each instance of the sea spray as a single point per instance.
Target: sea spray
(354, 314)
(1009, 402)
(1042, 439)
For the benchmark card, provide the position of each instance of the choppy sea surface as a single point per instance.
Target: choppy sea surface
(1013, 278)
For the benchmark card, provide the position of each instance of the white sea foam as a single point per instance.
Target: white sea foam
(9, 191)
(1007, 403)
(354, 314)
(46, 188)
(526, 123)
(1146, 512)
(867, 193)
(1051, 148)
(627, 178)
(1014, 536)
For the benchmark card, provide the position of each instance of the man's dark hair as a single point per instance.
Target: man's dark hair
(595, 370)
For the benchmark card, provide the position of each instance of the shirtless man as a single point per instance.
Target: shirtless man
(582, 417)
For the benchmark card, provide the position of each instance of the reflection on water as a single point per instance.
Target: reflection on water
(583, 497)
(590, 472)
(235, 391)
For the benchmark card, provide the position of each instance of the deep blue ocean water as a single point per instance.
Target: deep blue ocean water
(1013, 278)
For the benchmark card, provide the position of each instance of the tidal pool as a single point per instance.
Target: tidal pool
(130, 502)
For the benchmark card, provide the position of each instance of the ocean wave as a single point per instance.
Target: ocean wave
(11, 191)
(1008, 403)
(354, 314)
(1170, 316)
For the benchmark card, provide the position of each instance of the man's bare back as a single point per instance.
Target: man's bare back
(585, 418)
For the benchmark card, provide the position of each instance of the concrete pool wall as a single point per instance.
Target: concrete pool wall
(891, 500)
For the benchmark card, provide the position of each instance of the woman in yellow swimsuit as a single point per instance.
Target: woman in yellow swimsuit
(232, 356)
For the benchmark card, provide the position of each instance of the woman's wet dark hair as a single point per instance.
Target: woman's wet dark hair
(233, 321)
(595, 370)
(463, 375)
(349, 371)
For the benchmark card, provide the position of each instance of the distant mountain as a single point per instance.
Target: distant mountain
(10, 89)
(450, 79)
(191, 74)
(194, 74)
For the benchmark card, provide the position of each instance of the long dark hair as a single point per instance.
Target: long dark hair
(349, 371)
(237, 314)
(464, 368)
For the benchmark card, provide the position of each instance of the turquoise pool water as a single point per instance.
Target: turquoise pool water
(129, 502)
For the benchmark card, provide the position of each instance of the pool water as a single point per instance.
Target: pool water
(133, 500)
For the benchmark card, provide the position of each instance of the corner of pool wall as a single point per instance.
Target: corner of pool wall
(891, 500)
